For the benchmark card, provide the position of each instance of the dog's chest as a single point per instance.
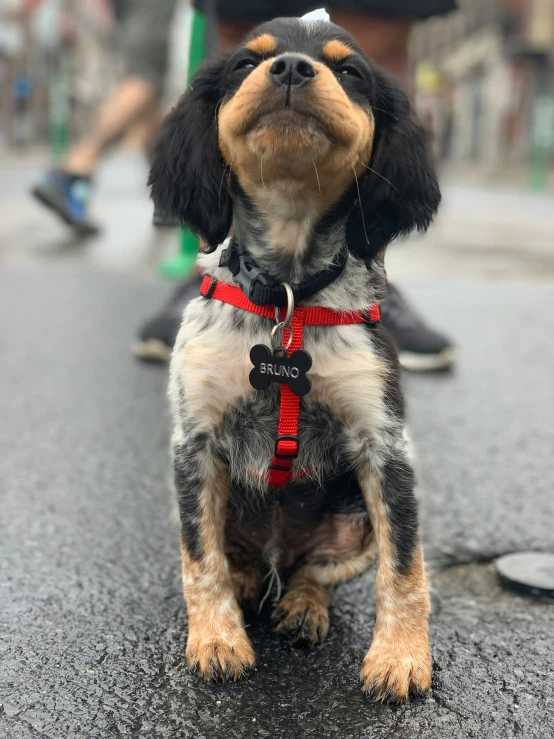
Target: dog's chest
(249, 435)
(211, 367)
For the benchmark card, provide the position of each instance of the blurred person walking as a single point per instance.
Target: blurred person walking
(144, 31)
(382, 28)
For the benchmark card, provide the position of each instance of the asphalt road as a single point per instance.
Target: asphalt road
(93, 625)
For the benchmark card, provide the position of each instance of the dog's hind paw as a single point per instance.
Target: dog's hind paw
(301, 618)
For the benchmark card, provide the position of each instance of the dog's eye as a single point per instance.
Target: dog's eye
(349, 71)
(245, 64)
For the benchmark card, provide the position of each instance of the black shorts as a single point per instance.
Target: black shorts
(143, 38)
(264, 10)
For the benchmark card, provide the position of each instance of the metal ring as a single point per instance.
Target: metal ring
(277, 327)
(290, 307)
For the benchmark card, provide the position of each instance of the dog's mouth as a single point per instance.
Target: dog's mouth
(288, 114)
(287, 118)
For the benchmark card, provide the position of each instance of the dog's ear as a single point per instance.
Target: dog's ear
(399, 193)
(187, 173)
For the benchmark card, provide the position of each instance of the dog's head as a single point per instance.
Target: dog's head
(296, 107)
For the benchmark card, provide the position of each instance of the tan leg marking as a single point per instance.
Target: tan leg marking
(302, 613)
(398, 662)
(217, 644)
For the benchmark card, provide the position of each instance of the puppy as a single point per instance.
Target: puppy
(307, 151)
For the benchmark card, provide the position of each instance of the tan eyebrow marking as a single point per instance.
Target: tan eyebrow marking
(336, 51)
(264, 44)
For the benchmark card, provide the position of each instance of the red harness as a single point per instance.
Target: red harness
(286, 446)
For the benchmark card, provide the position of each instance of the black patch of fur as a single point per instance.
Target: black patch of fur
(207, 320)
(188, 172)
(238, 319)
(303, 501)
(398, 496)
(401, 193)
(188, 484)
(293, 34)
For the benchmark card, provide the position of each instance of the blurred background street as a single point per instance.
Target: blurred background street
(94, 626)
(485, 229)
(484, 85)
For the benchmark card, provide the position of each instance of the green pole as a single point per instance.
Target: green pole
(58, 108)
(197, 52)
(542, 131)
(180, 265)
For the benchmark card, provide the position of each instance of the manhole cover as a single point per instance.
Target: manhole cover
(529, 572)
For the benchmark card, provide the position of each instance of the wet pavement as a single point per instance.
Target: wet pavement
(93, 624)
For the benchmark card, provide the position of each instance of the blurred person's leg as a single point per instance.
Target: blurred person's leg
(144, 43)
(128, 103)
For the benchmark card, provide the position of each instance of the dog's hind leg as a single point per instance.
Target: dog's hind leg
(246, 575)
(302, 613)
(398, 662)
(348, 550)
(217, 645)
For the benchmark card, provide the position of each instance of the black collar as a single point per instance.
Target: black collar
(262, 289)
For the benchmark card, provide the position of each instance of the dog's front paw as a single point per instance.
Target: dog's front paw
(394, 669)
(228, 657)
(302, 618)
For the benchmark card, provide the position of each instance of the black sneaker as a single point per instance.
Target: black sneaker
(420, 348)
(156, 338)
(67, 195)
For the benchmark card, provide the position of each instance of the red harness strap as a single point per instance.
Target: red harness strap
(286, 446)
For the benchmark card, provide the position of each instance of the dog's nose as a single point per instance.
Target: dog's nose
(291, 70)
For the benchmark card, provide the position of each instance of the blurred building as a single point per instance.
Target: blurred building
(56, 62)
(485, 81)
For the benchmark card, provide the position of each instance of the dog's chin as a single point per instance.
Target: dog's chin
(289, 133)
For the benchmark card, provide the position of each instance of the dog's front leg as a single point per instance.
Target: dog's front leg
(217, 644)
(398, 662)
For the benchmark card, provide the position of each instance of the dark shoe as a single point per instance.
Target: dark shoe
(157, 337)
(420, 348)
(164, 221)
(67, 195)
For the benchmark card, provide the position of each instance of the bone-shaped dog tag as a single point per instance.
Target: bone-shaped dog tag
(278, 367)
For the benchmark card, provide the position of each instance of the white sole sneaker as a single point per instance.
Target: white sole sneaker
(427, 362)
(152, 350)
